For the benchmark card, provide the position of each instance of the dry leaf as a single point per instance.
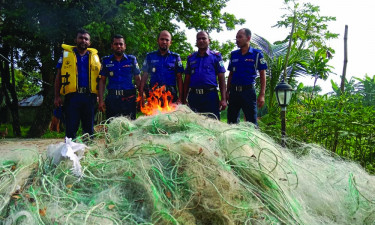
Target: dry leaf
(16, 196)
(168, 194)
(13, 168)
(200, 151)
(69, 186)
(42, 212)
(111, 206)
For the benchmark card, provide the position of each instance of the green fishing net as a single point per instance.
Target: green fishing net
(184, 168)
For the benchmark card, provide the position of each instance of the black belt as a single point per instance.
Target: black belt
(201, 91)
(240, 88)
(121, 92)
(83, 90)
(167, 88)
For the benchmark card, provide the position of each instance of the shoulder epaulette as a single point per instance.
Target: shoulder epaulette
(215, 52)
(235, 51)
(153, 52)
(191, 54)
(175, 54)
(131, 56)
(105, 57)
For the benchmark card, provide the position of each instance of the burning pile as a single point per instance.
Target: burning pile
(158, 100)
(184, 168)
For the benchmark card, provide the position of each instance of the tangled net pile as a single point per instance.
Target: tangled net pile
(184, 168)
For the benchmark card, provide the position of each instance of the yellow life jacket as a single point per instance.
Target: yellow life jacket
(69, 72)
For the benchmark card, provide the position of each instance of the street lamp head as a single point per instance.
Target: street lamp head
(283, 93)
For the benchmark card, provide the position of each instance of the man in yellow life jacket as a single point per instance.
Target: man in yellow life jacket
(77, 78)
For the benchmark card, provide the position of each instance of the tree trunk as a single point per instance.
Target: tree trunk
(44, 112)
(9, 91)
(343, 78)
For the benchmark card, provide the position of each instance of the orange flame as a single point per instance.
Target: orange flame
(159, 100)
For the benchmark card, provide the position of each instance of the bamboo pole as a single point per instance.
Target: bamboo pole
(342, 86)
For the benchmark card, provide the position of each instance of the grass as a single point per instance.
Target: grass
(24, 130)
(54, 134)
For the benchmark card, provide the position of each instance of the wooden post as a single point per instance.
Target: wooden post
(342, 86)
(283, 126)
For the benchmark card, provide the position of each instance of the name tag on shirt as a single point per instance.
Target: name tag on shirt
(109, 65)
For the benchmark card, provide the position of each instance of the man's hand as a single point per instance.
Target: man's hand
(58, 101)
(223, 105)
(178, 102)
(260, 100)
(101, 106)
(227, 95)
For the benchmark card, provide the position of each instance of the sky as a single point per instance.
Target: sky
(261, 15)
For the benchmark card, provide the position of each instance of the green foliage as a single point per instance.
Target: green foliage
(309, 39)
(317, 65)
(349, 86)
(310, 89)
(343, 124)
(27, 85)
(308, 54)
(53, 134)
(32, 32)
(224, 48)
(366, 88)
(24, 130)
(311, 29)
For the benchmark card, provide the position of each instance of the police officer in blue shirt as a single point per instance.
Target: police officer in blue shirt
(243, 65)
(165, 68)
(77, 79)
(200, 86)
(120, 69)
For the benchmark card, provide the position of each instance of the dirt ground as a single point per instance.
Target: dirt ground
(10, 144)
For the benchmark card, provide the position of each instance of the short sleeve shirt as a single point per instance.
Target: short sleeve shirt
(120, 73)
(203, 70)
(82, 68)
(243, 66)
(163, 68)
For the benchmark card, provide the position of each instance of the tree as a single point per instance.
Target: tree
(318, 66)
(35, 29)
(305, 58)
(311, 29)
(366, 87)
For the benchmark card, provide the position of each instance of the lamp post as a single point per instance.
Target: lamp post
(283, 89)
(283, 95)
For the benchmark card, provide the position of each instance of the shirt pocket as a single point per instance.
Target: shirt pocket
(171, 66)
(248, 66)
(111, 71)
(194, 68)
(155, 67)
(209, 68)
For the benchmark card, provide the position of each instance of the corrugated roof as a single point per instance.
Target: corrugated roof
(35, 100)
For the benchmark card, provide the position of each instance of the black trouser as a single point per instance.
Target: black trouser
(121, 104)
(246, 100)
(79, 107)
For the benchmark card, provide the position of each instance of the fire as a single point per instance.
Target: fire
(159, 100)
